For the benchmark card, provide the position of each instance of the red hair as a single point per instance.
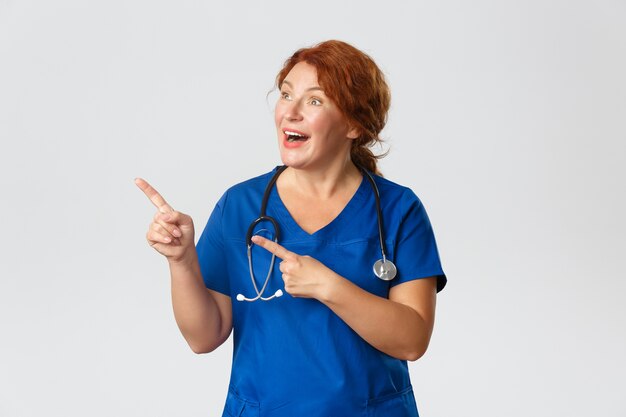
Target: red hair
(353, 81)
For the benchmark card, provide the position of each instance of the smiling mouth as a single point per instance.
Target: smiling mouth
(295, 136)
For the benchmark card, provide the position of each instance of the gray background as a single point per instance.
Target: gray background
(508, 121)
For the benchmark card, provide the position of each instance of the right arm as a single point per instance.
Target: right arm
(203, 316)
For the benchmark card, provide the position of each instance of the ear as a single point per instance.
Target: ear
(353, 133)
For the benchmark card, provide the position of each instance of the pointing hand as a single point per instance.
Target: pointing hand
(304, 276)
(171, 232)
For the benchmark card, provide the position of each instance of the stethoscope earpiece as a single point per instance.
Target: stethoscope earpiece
(278, 293)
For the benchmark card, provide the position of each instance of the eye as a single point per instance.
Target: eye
(285, 95)
(316, 102)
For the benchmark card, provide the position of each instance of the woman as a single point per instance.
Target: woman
(336, 344)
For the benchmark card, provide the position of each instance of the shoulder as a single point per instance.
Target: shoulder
(249, 188)
(397, 195)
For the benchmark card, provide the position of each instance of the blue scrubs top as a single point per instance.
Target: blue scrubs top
(294, 356)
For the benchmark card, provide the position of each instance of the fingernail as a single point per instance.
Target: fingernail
(177, 233)
(167, 240)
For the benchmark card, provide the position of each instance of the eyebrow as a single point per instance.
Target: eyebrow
(308, 89)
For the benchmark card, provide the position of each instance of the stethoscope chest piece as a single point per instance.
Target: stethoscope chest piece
(385, 269)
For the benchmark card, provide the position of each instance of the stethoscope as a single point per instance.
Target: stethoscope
(383, 268)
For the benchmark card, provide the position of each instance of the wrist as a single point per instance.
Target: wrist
(186, 261)
(331, 285)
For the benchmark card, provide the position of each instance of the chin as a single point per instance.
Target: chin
(296, 163)
(290, 162)
(289, 159)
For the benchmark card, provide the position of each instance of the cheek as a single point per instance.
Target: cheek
(329, 126)
(318, 123)
(277, 116)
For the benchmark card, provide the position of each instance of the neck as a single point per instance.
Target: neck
(322, 183)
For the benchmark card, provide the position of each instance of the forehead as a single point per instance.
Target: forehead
(302, 75)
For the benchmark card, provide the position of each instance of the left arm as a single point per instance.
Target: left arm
(400, 326)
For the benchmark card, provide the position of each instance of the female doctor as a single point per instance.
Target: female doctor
(321, 334)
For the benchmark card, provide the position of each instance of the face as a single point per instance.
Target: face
(312, 131)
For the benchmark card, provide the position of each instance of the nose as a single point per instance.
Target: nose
(293, 111)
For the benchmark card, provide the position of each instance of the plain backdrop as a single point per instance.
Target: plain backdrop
(508, 121)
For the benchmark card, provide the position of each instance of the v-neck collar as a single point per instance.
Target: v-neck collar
(328, 231)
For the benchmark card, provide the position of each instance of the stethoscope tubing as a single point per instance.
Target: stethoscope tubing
(379, 215)
(383, 268)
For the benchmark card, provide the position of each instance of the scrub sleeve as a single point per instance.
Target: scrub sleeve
(211, 254)
(294, 356)
(415, 248)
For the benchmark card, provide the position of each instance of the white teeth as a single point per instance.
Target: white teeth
(290, 133)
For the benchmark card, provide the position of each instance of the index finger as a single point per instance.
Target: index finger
(273, 247)
(153, 195)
